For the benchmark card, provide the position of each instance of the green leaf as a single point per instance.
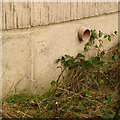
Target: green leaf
(118, 69)
(81, 55)
(76, 64)
(100, 33)
(53, 82)
(90, 81)
(101, 64)
(67, 63)
(105, 102)
(93, 36)
(88, 44)
(58, 60)
(105, 36)
(112, 80)
(109, 37)
(63, 58)
(44, 99)
(109, 116)
(103, 59)
(94, 59)
(101, 82)
(85, 49)
(70, 57)
(108, 98)
(85, 67)
(96, 46)
(81, 106)
(63, 62)
(96, 83)
(93, 75)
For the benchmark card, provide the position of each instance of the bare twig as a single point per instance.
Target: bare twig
(57, 82)
(14, 86)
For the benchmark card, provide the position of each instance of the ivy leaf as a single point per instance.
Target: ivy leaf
(76, 64)
(105, 36)
(85, 49)
(53, 82)
(93, 35)
(95, 59)
(109, 37)
(58, 60)
(70, 57)
(66, 63)
(63, 58)
(96, 46)
(100, 33)
(88, 44)
(67, 56)
(81, 55)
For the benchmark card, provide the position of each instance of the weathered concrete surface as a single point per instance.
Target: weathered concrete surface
(28, 14)
(16, 58)
(33, 52)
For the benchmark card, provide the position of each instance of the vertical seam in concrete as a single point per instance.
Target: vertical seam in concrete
(13, 14)
(32, 62)
(40, 16)
(70, 10)
(30, 16)
(48, 14)
(77, 11)
(17, 21)
(56, 10)
(30, 46)
(10, 6)
(5, 20)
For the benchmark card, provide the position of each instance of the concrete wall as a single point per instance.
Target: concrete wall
(28, 14)
(29, 55)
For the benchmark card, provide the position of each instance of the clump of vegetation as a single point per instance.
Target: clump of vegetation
(94, 81)
(89, 90)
